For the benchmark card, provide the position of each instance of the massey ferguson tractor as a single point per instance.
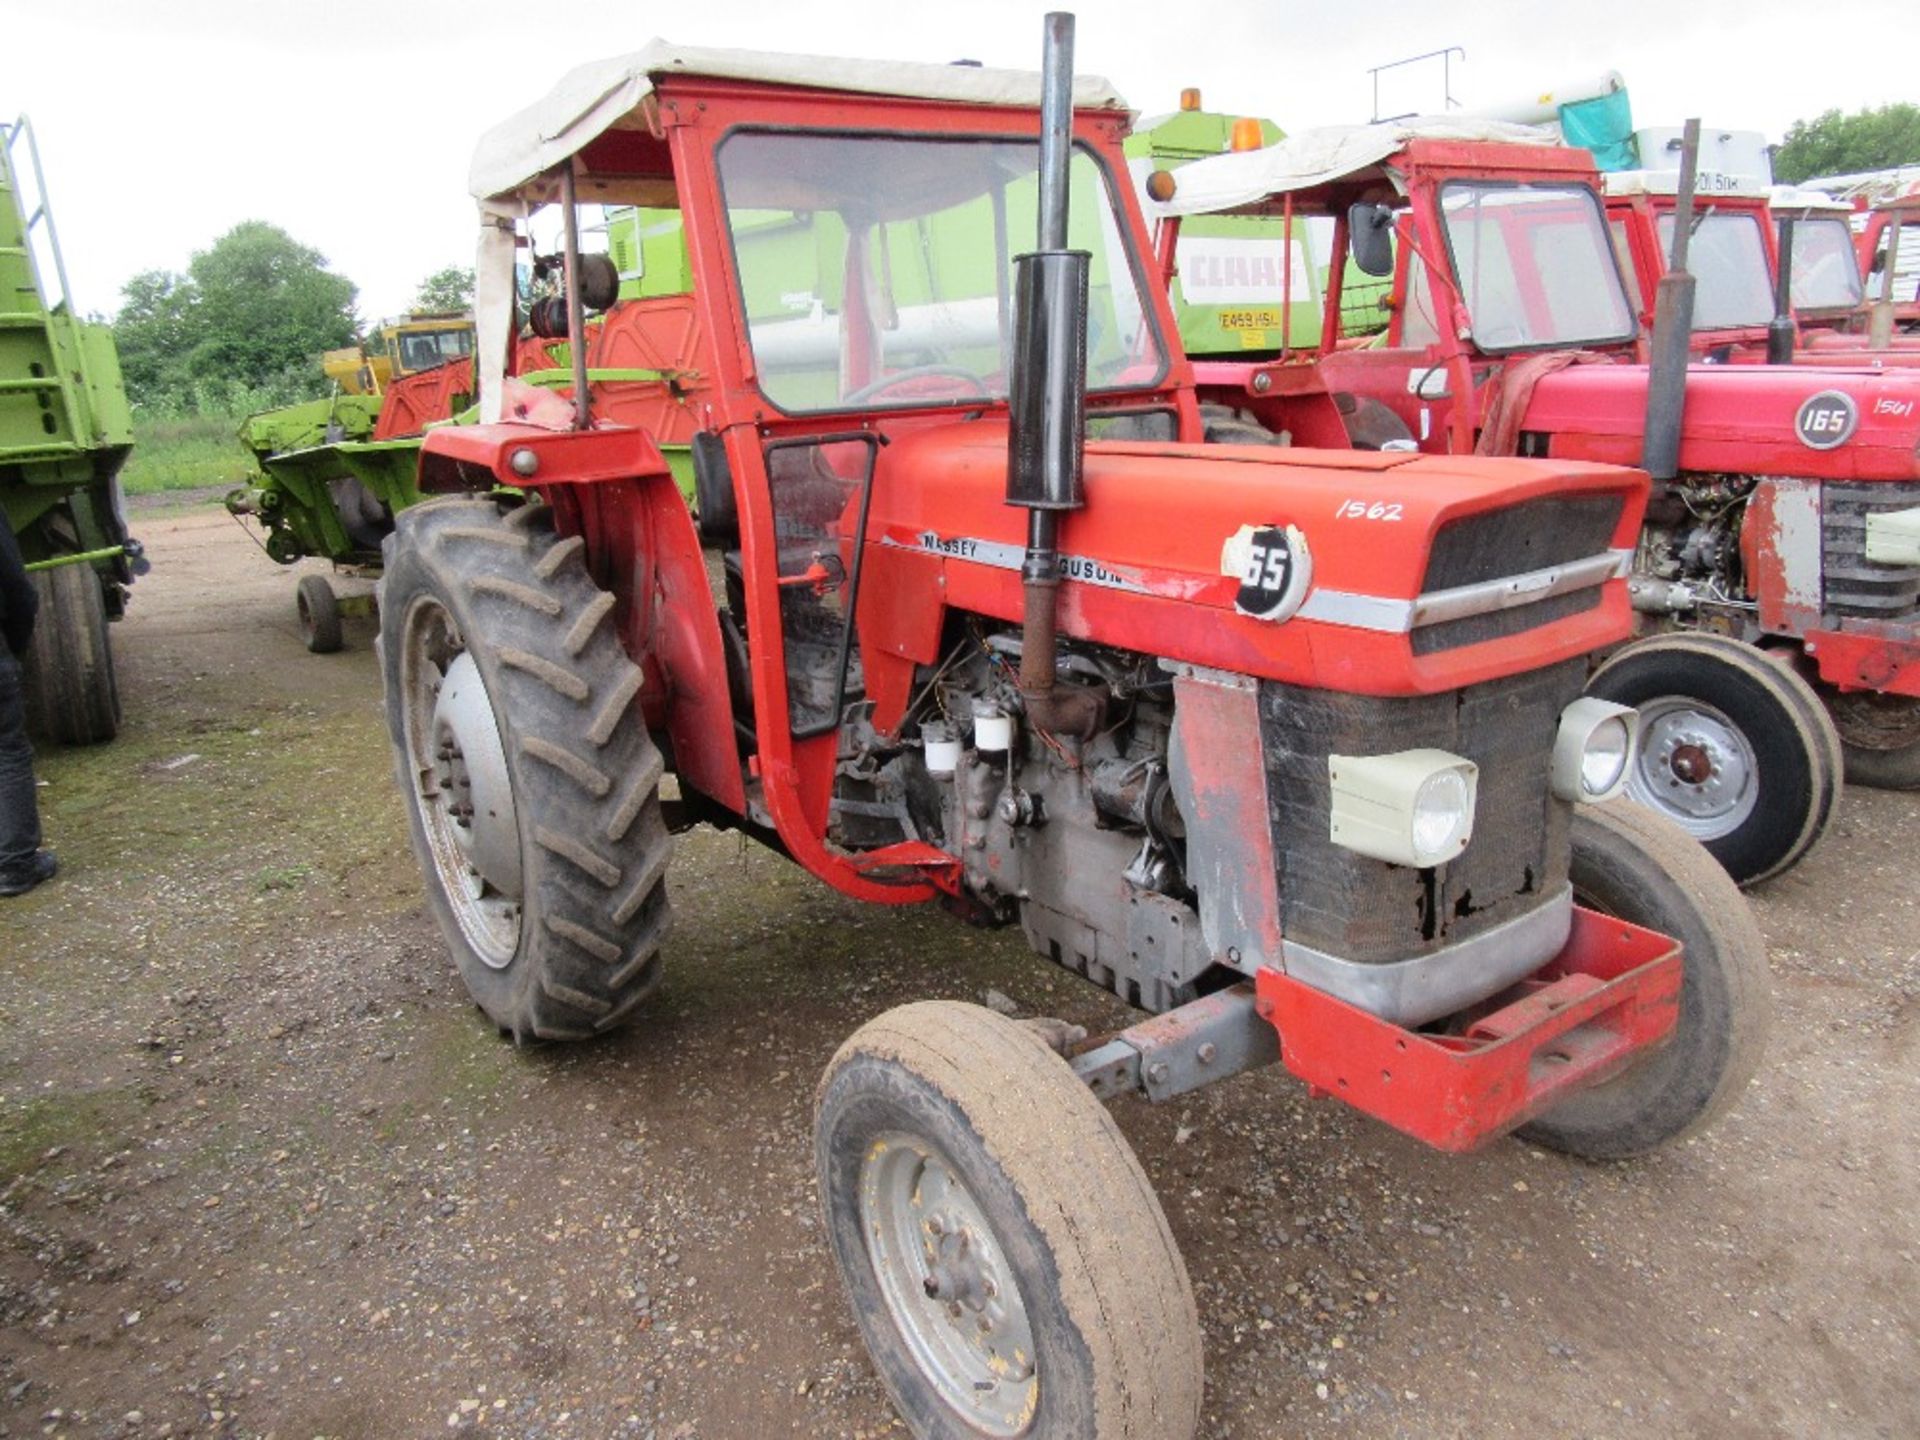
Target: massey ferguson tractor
(1286, 750)
(1784, 542)
(1757, 301)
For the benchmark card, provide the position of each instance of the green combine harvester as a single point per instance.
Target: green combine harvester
(65, 431)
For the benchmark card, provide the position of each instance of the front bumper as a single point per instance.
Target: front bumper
(1611, 993)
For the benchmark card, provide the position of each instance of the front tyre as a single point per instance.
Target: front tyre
(532, 787)
(1630, 863)
(1734, 749)
(1008, 1263)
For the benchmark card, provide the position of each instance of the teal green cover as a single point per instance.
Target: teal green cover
(1604, 126)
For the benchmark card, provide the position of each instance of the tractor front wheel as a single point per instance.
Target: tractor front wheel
(1005, 1257)
(1880, 735)
(1734, 749)
(532, 784)
(72, 694)
(1631, 864)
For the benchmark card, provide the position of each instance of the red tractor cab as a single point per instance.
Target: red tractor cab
(1889, 251)
(1514, 331)
(1735, 259)
(1287, 750)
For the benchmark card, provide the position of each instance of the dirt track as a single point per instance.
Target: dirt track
(264, 1171)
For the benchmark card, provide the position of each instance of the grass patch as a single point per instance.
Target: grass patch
(187, 453)
(32, 1131)
(281, 877)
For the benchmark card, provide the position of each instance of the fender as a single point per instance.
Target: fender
(619, 497)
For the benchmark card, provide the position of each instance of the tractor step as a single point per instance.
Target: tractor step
(1612, 992)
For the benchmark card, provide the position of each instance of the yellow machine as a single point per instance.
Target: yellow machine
(400, 348)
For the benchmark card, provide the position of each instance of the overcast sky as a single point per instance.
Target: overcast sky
(349, 123)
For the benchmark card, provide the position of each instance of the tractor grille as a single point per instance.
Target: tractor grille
(1365, 910)
(1855, 585)
(1498, 544)
(1530, 536)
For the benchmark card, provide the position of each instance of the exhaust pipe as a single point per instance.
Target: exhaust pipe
(1780, 329)
(1047, 405)
(1672, 329)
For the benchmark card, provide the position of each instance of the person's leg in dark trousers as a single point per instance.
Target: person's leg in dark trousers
(19, 804)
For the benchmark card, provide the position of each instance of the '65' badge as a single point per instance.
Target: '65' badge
(1826, 420)
(1274, 568)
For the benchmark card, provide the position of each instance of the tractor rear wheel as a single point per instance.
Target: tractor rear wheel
(319, 610)
(1880, 735)
(1630, 863)
(1007, 1261)
(1734, 749)
(532, 786)
(1223, 425)
(73, 697)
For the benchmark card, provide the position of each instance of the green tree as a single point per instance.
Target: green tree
(447, 289)
(264, 303)
(151, 332)
(1836, 144)
(252, 314)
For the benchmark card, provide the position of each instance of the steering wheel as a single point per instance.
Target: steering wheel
(977, 385)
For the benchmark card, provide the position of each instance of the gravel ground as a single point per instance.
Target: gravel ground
(265, 1171)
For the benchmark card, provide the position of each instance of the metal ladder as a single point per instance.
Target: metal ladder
(26, 306)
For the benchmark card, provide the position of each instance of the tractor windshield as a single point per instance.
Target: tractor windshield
(416, 350)
(1733, 286)
(1826, 275)
(877, 269)
(1534, 265)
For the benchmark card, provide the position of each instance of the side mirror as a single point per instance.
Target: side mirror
(1370, 236)
(1878, 263)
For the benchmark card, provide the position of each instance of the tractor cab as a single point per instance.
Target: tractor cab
(1735, 256)
(1497, 247)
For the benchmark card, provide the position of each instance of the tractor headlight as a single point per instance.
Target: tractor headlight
(1410, 808)
(1593, 749)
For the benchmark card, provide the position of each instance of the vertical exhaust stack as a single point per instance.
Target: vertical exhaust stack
(1781, 330)
(1047, 404)
(1672, 329)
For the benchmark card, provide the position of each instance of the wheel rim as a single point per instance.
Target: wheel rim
(1695, 766)
(948, 1285)
(461, 790)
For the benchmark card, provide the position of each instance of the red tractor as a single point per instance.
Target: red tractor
(1736, 258)
(968, 615)
(1788, 523)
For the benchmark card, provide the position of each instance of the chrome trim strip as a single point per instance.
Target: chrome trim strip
(1412, 992)
(1488, 596)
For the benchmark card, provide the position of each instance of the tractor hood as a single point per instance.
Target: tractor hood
(1386, 574)
(1834, 424)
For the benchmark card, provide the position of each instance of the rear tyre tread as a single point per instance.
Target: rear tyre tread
(578, 971)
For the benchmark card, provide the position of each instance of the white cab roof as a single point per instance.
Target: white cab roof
(1313, 157)
(604, 95)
